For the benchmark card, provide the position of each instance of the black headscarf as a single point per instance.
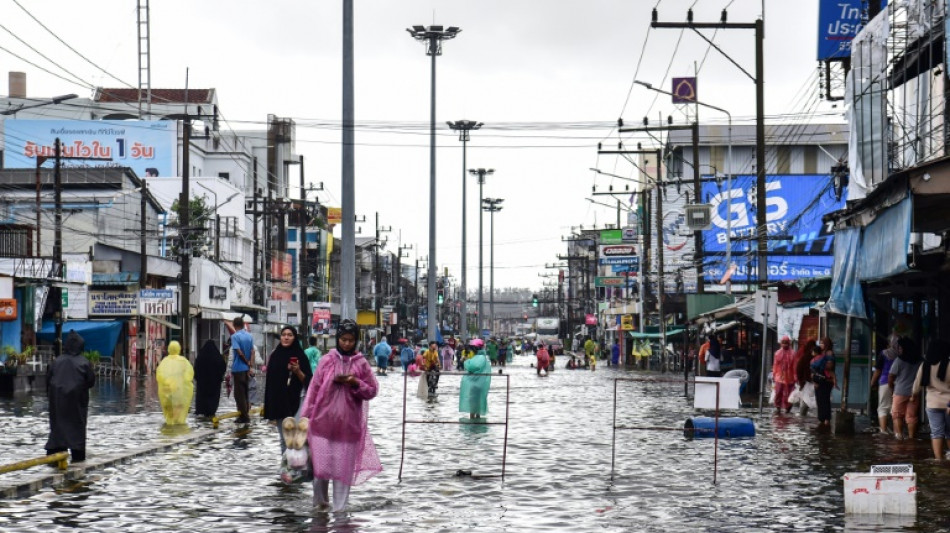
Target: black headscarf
(908, 351)
(938, 353)
(350, 327)
(282, 389)
(74, 344)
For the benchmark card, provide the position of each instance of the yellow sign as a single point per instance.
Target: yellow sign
(626, 322)
(334, 215)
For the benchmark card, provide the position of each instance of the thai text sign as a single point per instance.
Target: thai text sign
(157, 302)
(609, 281)
(334, 216)
(614, 250)
(631, 260)
(113, 303)
(149, 147)
(838, 23)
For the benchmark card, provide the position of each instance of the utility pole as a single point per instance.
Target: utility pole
(348, 173)
(143, 264)
(302, 256)
(759, 80)
(377, 284)
(58, 251)
(464, 127)
(257, 247)
(184, 217)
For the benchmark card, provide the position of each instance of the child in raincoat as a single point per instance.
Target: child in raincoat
(341, 447)
(175, 377)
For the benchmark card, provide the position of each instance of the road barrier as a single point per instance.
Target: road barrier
(60, 458)
(715, 430)
(504, 455)
(235, 414)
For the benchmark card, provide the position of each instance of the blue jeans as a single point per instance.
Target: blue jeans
(939, 423)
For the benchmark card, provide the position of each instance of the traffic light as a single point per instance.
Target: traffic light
(534, 300)
(441, 296)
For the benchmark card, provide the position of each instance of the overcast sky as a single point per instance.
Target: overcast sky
(548, 78)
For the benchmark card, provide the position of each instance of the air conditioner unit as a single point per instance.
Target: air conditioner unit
(699, 216)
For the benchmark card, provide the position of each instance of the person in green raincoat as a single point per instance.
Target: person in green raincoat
(473, 393)
(493, 351)
(175, 377)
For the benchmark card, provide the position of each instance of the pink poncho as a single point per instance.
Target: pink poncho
(341, 447)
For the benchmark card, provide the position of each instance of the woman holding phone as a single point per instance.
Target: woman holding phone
(287, 379)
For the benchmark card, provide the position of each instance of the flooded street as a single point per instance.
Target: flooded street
(787, 478)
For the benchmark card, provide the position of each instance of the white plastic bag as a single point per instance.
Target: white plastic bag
(772, 397)
(795, 396)
(808, 395)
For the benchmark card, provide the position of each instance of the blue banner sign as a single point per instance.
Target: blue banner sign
(620, 260)
(148, 147)
(838, 22)
(800, 244)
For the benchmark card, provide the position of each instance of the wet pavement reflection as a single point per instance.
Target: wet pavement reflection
(788, 478)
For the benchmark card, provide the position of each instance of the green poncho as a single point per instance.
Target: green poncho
(473, 396)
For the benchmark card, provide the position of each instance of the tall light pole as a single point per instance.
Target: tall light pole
(492, 205)
(433, 37)
(464, 127)
(728, 176)
(348, 175)
(481, 173)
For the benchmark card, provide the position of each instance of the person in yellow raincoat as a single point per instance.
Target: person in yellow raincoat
(176, 387)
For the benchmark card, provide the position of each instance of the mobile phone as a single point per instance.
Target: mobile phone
(293, 360)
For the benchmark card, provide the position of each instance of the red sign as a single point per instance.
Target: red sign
(7, 309)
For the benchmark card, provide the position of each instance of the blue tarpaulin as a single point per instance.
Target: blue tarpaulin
(100, 335)
(867, 254)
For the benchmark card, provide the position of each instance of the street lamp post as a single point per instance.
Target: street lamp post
(492, 205)
(464, 127)
(481, 173)
(433, 37)
(728, 176)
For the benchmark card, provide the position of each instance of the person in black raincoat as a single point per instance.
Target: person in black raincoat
(288, 375)
(69, 379)
(210, 368)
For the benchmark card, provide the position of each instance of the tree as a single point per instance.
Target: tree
(196, 237)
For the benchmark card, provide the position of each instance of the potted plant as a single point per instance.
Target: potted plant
(94, 356)
(10, 360)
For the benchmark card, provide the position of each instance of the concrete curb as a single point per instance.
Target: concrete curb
(27, 487)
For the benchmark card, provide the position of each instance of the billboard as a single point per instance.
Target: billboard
(795, 205)
(148, 147)
(838, 22)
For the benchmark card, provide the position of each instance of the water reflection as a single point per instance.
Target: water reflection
(558, 468)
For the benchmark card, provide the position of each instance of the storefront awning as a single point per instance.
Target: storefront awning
(161, 321)
(217, 314)
(100, 335)
(669, 333)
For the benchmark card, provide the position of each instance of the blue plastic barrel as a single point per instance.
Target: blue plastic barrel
(704, 427)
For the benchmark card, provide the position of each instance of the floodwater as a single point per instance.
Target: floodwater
(787, 478)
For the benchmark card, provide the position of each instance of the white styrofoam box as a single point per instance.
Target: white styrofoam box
(887, 489)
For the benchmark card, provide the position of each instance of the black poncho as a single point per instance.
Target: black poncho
(280, 399)
(210, 367)
(69, 378)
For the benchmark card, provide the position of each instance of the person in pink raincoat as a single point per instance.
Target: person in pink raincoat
(783, 374)
(341, 447)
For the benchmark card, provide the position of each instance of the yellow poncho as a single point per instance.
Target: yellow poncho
(175, 377)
